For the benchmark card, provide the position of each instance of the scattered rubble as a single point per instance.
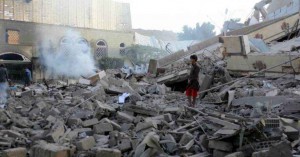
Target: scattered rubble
(86, 119)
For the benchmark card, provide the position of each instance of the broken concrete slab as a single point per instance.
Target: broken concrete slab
(100, 75)
(105, 152)
(220, 145)
(102, 128)
(14, 152)
(57, 130)
(219, 153)
(292, 133)
(90, 122)
(262, 153)
(280, 149)
(186, 138)
(207, 82)
(115, 125)
(124, 145)
(123, 116)
(141, 110)
(145, 125)
(50, 150)
(84, 81)
(236, 154)
(86, 143)
(252, 101)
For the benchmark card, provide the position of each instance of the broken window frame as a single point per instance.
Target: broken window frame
(122, 49)
(101, 50)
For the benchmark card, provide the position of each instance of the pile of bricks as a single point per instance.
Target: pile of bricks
(86, 119)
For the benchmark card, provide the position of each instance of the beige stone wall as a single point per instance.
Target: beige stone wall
(31, 34)
(98, 14)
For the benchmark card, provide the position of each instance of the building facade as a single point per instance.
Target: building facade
(97, 14)
(21, 43)
(26, 25)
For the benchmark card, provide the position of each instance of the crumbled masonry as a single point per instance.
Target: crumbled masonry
(85, 119)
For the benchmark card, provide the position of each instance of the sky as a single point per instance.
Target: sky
(174, 14)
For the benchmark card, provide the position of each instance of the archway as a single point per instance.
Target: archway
(15, 64)
(11, 56)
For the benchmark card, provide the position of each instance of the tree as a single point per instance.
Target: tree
(200, 32)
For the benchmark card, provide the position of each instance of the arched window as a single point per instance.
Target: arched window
(83, 44)
(122, 49)
(13, 57)
(101, 49)
(65, 41)
(68, 44)
(65, 45)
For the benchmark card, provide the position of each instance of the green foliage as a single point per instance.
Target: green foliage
(140, 54)
(200, 32)
(110, 63)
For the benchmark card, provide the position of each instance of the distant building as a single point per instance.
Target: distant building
(98, 14)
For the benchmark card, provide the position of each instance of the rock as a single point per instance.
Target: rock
(105, 152)
(86, 143)
(102, 128)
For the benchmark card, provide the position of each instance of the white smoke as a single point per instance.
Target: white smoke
(72, 58)
(3, 94)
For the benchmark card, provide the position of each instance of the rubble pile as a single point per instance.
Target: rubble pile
(106, 116)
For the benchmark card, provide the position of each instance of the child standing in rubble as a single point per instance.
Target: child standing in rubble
(193, 83)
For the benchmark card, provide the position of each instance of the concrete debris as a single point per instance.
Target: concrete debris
(15, 152)
(86, 119)
(86, 143)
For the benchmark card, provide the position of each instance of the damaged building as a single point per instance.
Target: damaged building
(26, 30)
(245, 50)
(248, 101)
